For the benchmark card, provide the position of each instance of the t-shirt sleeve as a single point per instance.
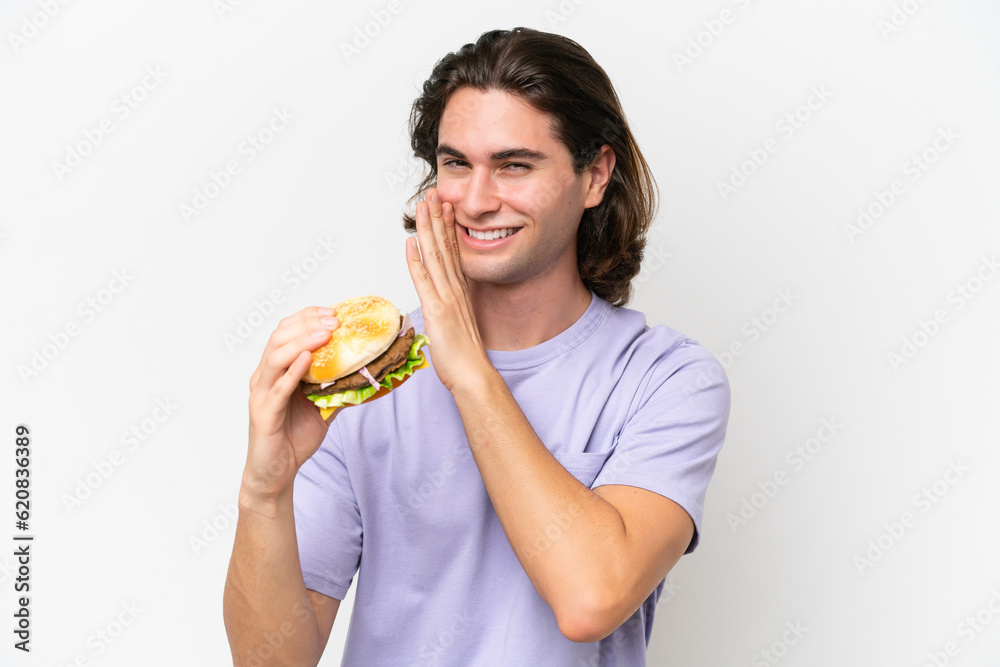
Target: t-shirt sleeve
(670, 443)
(327, 520)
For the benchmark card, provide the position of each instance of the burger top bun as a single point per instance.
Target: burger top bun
(368, 326)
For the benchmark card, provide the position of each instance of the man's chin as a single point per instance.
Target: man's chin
(494, 271)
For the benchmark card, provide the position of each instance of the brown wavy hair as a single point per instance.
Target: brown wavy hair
(558, 77)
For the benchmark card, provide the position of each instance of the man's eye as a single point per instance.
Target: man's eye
(517, 166)
(453, 163)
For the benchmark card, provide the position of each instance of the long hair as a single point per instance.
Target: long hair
(557, 76)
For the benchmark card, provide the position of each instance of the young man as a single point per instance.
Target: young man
(522, 503)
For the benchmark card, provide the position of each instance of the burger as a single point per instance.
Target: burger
(372, 352)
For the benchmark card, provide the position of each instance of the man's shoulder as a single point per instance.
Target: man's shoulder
(661, 352)
(631, 328)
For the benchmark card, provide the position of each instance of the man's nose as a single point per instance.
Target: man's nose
(480, 194)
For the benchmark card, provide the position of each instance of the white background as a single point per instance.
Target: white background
(826, 551)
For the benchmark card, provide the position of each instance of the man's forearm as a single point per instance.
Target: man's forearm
(570, 541)
(265, 595)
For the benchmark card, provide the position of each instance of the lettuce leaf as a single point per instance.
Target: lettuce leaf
(356, 396)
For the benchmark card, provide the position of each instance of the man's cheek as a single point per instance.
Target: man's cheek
(449, 192)
(533, 201)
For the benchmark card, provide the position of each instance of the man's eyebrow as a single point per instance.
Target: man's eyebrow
(518, 153)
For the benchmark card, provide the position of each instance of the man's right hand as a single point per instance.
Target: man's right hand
(285, 427)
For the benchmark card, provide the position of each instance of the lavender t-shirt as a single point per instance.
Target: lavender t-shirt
(394, 495)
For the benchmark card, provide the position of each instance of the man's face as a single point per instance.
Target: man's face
(505, 173)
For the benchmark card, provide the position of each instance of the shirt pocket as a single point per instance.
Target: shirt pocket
(585, 466)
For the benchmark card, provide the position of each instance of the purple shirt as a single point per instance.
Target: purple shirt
(394, 495)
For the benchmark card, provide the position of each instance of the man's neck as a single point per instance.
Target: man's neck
(516, 317)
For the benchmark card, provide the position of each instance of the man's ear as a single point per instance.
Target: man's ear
(599, 175)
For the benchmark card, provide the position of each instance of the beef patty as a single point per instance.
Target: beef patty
(384, 364)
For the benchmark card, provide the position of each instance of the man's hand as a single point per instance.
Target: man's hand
(437, 275)
(285, 427)
(265, 585)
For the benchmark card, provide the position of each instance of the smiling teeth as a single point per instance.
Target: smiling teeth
(492, 234)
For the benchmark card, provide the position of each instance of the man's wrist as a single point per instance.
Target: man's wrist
(480, 381)
(267, 504)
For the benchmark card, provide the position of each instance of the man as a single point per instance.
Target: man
(522, 503)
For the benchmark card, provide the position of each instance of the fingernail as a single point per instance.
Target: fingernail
(433, 197)
(320, 334)
(329, 321)
(325, 311)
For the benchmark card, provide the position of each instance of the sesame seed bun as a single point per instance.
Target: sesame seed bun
(368, 326)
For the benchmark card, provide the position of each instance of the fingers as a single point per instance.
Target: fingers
(442, 216)
(287, 365)
(431, 252)
(281, 391)
(309, 329)
(418, 256)
(438, 243)
(276, 365)
(295, 328)
(452, 234)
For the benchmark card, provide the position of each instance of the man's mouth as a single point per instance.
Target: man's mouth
(491, 234)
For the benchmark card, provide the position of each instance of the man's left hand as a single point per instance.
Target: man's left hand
(436, 271)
